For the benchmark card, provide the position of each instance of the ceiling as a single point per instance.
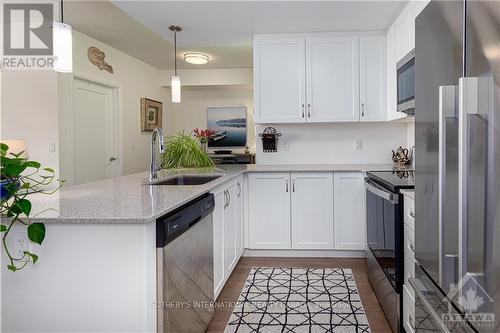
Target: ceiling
(222, 29)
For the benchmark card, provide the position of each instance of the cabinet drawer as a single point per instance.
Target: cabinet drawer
(408, 311)
(409, 239)
(409, 273)
(409, 211)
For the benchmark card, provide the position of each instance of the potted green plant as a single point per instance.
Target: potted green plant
(184, 151)
(21, 178)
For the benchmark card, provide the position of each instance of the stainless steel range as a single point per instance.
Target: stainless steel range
(384, 218)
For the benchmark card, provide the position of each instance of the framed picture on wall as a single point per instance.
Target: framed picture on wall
(151, 114)
(229, 125)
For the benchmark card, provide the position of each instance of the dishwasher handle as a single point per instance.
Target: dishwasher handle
(175, 223)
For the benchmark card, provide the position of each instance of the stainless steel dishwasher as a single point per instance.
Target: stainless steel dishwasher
(184, 260)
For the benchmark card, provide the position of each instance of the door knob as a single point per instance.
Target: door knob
(112, 158)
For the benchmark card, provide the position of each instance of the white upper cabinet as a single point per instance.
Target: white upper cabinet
(392, 98)
(279, 80)
(350, 218)
(312, 210)
(372, 81)
(405, 27)
(332, 79)
(318, 77)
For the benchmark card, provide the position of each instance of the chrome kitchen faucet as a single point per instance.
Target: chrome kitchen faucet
(157, 135)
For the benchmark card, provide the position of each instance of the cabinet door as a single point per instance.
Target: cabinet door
(350, 211)
(312, 210)
(279, 80)
(269, 211)
(230, 229)
(218, 224)
(403, 34)
(373, 80)
(332, 69)
(239, 218)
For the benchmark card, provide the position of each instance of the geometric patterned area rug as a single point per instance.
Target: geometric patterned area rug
(298, 300)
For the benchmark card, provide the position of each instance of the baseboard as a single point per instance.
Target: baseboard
(305, 253)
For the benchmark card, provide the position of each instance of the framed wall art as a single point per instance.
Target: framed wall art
(151, 114)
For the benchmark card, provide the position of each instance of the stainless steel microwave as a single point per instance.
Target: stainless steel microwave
(406, 83)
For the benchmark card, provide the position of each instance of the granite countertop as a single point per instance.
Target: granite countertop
(128, 199)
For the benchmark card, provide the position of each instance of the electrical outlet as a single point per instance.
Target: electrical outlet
(358, 144)
(52, 148)
(21, 244)
(132, 145)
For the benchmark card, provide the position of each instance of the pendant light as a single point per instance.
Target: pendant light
(175, 83)
(63, 45)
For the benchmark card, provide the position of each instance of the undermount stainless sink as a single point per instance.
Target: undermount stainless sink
(185, 180)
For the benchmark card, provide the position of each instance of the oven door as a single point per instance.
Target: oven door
(385, 231)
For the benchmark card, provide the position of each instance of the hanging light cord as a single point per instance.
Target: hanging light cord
(62, 11)
(175, 52)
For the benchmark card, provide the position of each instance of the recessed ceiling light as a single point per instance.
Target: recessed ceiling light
(196, 58)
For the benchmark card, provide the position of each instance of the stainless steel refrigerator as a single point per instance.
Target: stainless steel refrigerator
(457, 134)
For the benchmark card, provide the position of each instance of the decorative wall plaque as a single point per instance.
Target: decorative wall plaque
(96, 56)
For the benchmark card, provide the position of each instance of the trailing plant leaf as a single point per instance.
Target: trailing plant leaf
(20, 179)
(36, 232)
(184, 151)
(33, 256)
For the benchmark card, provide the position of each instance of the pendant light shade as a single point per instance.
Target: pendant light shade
(175, 82)
(63, 47)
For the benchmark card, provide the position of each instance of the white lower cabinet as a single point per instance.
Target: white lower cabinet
(218, 224)
(228, 231)
(312, 210)
(269, 210)
(350, 211)
(290, 211)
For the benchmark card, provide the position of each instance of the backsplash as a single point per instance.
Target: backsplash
(334, 143)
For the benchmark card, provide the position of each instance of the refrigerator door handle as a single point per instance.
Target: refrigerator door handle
(473, 101)
(448, 105)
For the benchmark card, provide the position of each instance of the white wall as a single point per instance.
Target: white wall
(135, 79)
(334, 143)
(192, 112)
(29, 111)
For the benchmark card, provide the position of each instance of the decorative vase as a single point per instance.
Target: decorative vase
(204, 146)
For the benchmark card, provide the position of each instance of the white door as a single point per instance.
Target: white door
(373, 80)
(279, 80)
(230, 228)
(269, 211)
(239, 218)
(218, 224)
(350, 211)
(94, 121)
(312, 210)
(332, 79)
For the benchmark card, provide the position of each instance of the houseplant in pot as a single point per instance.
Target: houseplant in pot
(20, 179)
(185, 151)
(204, 136)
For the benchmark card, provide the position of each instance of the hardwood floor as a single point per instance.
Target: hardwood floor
(234, 285)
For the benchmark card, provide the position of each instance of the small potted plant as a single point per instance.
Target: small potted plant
(204, 136)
